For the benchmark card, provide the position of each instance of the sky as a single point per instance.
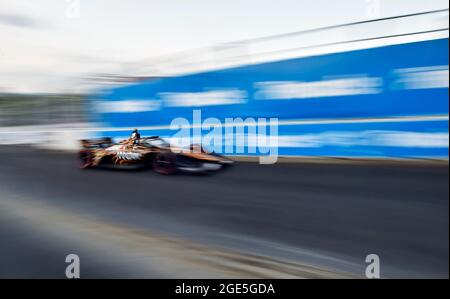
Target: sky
(53, 45)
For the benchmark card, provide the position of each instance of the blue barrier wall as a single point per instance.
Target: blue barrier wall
(408, 82)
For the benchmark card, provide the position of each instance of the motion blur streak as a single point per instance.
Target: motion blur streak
(349, 99)
(273, 219)
(149, 255)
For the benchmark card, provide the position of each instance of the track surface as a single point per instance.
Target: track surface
(325, 215)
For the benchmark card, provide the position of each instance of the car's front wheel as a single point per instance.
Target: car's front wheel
(164, 164)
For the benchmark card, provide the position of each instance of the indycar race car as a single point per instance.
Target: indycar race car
(152, 152)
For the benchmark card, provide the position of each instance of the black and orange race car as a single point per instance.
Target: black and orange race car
(152, 152)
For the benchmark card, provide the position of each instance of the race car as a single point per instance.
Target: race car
(150, 152)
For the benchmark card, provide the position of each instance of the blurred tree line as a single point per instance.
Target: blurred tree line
(41, 109)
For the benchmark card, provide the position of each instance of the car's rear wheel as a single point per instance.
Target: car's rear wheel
(85, 160)
(164, 164)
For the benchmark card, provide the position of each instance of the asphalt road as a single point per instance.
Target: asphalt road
(324, 215)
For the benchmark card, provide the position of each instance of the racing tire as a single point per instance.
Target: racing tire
(164, 164)
(85, 160)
